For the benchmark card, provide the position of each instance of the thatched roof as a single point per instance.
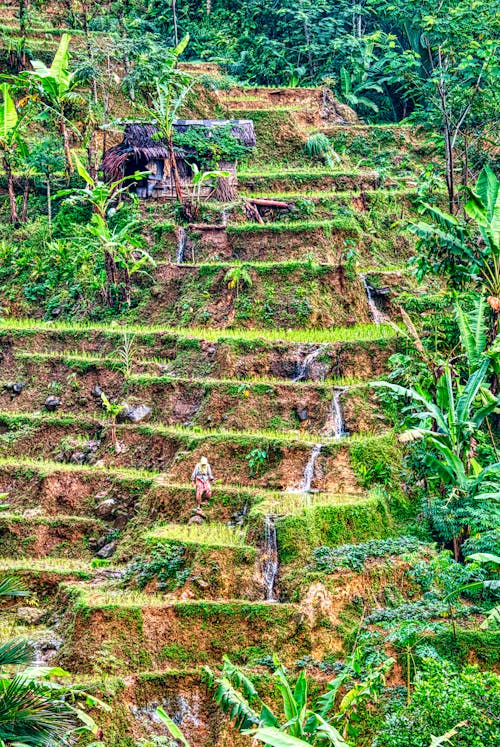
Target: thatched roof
(140, 142)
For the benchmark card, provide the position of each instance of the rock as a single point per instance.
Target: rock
(32, 513)
(134, 414)
(107, 550)
(97, 391)
(106, 508)
(302, 413)
(16, 388)
(78, 457)
(31, 615)
(198, 517)
(201, 583)
(52, 403)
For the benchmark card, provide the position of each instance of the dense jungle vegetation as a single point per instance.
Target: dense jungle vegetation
(316, 309)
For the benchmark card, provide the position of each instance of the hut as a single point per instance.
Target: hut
(142, 150)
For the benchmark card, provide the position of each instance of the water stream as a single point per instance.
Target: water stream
(304, 367)
(269, 559)
(181, 245)
(336, 424)
(309, 470)
(377, 316)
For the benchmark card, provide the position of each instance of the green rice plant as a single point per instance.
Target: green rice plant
(287, 503)
(47, 565)
(356, 333)
(319, 146)
(214, 534)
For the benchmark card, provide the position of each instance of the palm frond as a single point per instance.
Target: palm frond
(16, 652)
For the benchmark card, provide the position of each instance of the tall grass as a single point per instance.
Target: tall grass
(189, 433)
(47, 565)
(213, 535)
(356, 333)
(293, 502)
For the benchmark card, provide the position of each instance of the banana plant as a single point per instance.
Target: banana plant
(56, 87)
(453, 246)
(170, 94)
(491, 585)
(449, 423)
(453, 417)
(326, 722)
(483, 207)
(12, 143)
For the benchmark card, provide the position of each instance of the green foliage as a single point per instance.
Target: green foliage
(318, 146)
(328, 559)
(466, 252)
(257, 460)
(166, 564)
(208, 149)
(35, 708)
(444, 697)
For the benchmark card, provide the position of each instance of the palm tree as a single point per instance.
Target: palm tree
(34, 712)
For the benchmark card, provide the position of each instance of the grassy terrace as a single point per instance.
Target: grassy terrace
(356, 333)
(211, 535)
(184, 433)
(340, 196)
(58, 566)
(45, 467)
(83, 360)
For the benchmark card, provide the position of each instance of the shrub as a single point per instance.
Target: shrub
(444, 697)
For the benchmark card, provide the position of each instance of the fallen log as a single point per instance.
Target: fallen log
(267, 202)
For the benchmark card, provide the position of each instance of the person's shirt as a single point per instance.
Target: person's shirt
(202, 474)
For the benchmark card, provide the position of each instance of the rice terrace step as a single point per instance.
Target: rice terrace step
(248, 374)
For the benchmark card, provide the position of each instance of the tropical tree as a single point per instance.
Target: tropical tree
(36, 711)
(327, 722)
(56, 87)
(12, 144)
(122, 251)
(170, 93)
(465, 252)
(451, 419)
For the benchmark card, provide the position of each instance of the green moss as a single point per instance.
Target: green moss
(469, 646)
(331, 525)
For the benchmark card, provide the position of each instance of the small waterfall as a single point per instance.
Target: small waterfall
(336, 424)
(306, 363)
(181, 244)
(269, 559)
(309, 470)
(377, 316)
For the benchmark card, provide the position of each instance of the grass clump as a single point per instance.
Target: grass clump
(214, 534)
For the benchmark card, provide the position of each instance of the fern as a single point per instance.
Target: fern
(473, 332)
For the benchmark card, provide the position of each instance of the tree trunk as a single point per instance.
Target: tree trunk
(92, 156)
(174, 15)
(173, 162)
(111, 276)
(14, 217)
(49, 206)
(67, 150)
(450, 178)
(26, 191)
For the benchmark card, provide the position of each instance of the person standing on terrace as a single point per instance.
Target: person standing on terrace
(202, 477)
